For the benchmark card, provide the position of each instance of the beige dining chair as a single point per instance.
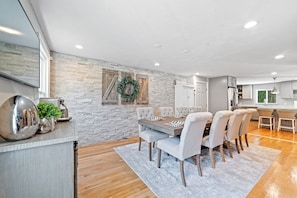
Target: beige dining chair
(243, 130)
(287, 119)
(188, 144)
(182, 111)
(166, 111)
(147, 134)
(266, 118)
(216, 134)
(233, 129)
(195, 109)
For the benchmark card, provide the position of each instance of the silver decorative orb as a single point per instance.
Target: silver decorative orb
(18, 118)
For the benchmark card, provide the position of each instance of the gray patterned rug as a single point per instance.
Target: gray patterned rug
(234, 178)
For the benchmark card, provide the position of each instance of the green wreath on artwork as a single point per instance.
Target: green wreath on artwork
(122, 88)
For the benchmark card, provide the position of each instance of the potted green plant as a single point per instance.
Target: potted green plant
(48, 113)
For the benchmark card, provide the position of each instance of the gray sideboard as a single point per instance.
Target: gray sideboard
(44, 166)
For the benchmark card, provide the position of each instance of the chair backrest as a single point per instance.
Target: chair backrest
(265, 112)
(243, 129)
(234, 124)
(191, 136)
(218, 128)
(287, 114)
(195, 109)
(144, 113)
(166, 111)
(182, 111)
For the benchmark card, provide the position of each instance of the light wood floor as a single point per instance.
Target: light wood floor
(102, 173)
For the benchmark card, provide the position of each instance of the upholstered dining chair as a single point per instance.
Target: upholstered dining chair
(195, 109)
(217, 133)
(166, 111)
(233, 129)
(188, 144)
(147, 134)
(182, 111)
(243, 130)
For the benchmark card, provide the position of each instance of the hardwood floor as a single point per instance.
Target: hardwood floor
(102, 173)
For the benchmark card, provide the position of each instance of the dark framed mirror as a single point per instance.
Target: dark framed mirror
(19, 45)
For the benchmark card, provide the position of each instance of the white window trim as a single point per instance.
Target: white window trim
(44, 72)
(266, 99)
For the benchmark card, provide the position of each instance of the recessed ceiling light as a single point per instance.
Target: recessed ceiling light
(79, 46)
(10, 30)
(157, 64)
(280, 56)
(157, 45)
(197, 73)
(186, 51)
(273, 73)
(250, 24)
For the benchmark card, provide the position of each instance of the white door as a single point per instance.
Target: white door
(201, 95)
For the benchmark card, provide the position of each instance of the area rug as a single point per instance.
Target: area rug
(233, 178)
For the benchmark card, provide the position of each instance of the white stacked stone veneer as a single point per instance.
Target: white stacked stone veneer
(79, 81)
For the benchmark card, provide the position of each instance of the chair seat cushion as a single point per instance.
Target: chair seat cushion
(152, 135)
(170, 146)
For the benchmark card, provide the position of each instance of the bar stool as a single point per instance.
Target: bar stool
(287, 116)
(266, 118)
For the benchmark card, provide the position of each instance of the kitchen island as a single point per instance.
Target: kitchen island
(44, 165)
(275, 109)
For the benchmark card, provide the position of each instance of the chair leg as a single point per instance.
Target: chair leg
(194, 160)
(240, 142)
(229, 149)
(159, 158)
(222, 152)
(198, 164)
(246, 140)
(211, 158)
(237, 147)
(259, 121)
(139, 145)
(150, 151)
(182, 173)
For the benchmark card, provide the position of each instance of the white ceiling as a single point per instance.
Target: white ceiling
(126, 32)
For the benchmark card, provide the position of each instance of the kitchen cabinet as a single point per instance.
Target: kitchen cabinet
(245, 92)
(286, 90)
(184, 96)
(294, 85)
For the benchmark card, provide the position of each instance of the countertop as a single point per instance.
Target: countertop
(64, 132)
(285, 107)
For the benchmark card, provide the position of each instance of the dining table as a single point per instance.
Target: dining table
(163, 125)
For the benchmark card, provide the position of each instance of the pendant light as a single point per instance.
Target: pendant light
(274, 90)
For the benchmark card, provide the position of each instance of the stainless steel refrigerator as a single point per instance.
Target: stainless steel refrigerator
(222, 94)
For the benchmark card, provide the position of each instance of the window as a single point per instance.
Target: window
(44, 73)
(266, 97)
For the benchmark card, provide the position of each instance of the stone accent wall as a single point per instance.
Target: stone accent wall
(79, 82)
